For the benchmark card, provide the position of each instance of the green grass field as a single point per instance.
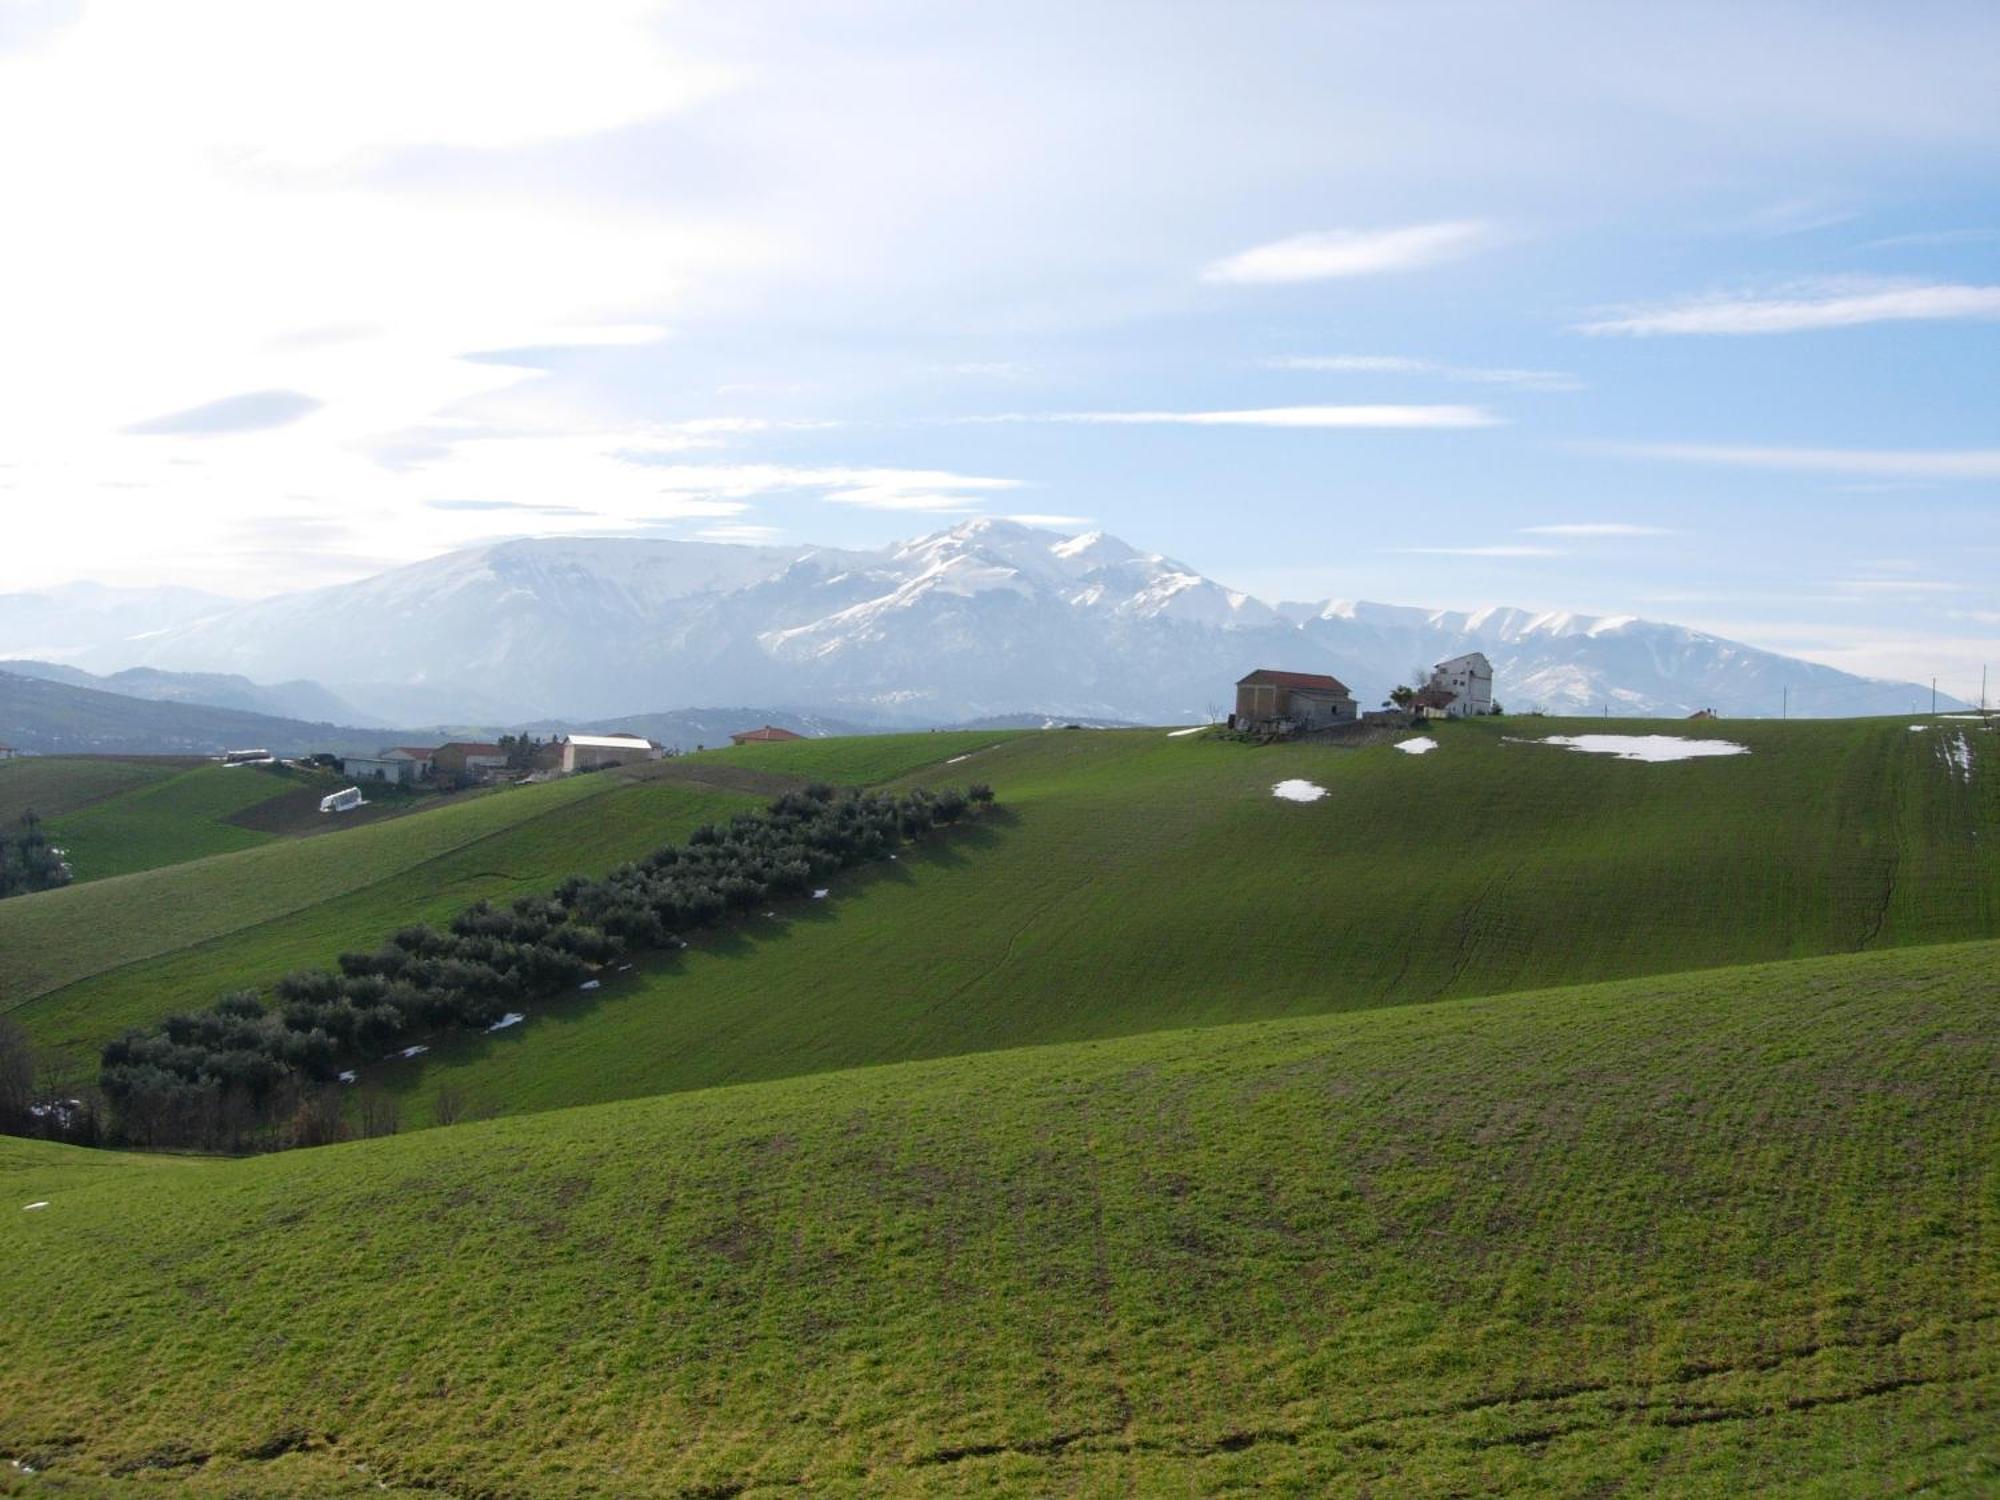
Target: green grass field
(185, 816)
(1720, 1234)
(53, 785)
(111, 955)
(1137, 882)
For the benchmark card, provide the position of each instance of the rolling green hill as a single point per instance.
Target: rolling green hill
(123, 951)
(52, 785)
(1712, 1234)
(185, 816)
(1135, 881)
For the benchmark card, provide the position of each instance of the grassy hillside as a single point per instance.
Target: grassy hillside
(1137, 881)
(79, 965)
(185, 816)
(56, 718)
(1718, 1234)
(52, 785)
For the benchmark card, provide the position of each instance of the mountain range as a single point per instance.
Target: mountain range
(985, 619)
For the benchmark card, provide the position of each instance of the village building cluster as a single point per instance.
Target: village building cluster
(1274, 702)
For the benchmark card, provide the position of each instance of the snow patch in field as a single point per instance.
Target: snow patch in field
(30, 1207)
(957, 758)
(512, 1018)
(417, 1051)
(1298, 790)
(1919, 728)
(1174, 734)
(1647, 747)
(1958, 755)
(590, 984)
(349, 1076)
(821, 894)
(1422, 745)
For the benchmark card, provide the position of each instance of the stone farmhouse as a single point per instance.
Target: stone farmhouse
(1291, 702)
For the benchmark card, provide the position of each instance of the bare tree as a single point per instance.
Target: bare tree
(17, 1076)
(449, 1107)
(377, 1113)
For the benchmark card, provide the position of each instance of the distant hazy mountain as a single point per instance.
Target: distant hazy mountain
(86, 622)
(287, 700)
(690, 728)
(986, 619)
(58, 718)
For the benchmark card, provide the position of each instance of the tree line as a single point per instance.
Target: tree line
(28, 861)
(260, 1071)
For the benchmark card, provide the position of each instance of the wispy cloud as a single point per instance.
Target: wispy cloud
(930, 491)
(253, 411)
(1918, 587)
(1846, 306)
(1495, 551)
(530, 507)
(1034, 518)
(1275, 416)
(1888, 463)
(1326, 254)
(1391, 364)
(1597, 528)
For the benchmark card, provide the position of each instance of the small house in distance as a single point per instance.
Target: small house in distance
(1296, 701)
(769, 734)
(8, 752)
(590, 752)
(398, 765)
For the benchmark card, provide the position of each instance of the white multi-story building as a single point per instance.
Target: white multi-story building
(1459, 687)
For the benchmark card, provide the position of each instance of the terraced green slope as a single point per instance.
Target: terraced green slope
(55, 784)
(79, 965)
(1138, 881)
(185, 816)
(1714, 1234)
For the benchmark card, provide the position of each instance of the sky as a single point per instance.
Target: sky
(1687, 311)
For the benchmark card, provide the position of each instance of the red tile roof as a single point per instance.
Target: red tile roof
(768, 732)
(1315, 681)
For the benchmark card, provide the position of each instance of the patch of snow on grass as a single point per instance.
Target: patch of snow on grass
(512, 1018)
(1423, 744)
(29, 1207)
(1958, 755)
(590, 984)
(1647, 747)
(350, 1076)
(1174, 734)
(1918, 728)
(957, 758)
(821, 894)
(1298, 790)
(417, 1051)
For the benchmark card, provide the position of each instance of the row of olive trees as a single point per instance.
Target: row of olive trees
(252, 1069)
(28, 861)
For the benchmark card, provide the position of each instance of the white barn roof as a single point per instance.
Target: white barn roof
(611, 741)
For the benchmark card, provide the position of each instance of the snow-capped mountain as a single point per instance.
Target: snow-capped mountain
(987, 618)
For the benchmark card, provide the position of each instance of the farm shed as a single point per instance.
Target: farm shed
(1269, 698)
(466, 755)
(769, 734)
(587, 752)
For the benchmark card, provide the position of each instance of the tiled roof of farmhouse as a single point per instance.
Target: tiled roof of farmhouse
(1316, 680)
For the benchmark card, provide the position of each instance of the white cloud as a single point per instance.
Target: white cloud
(1889, 463)
(1391, 364)
(1282, 416)
(1833, 308)
(1597, 528)
(1914, 587)
(1498, 551)
(1036, 519)
(1326, 254)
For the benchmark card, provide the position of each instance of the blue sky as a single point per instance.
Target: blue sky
(1686, 311)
